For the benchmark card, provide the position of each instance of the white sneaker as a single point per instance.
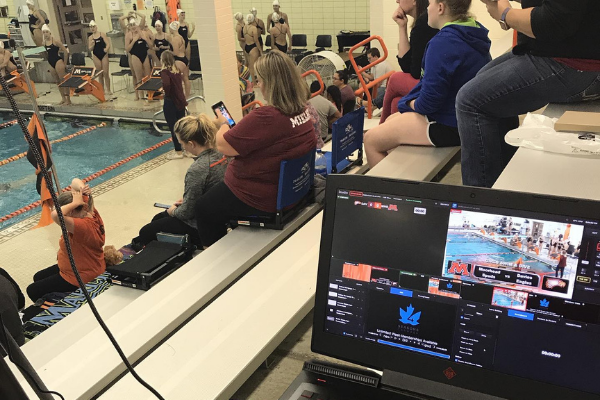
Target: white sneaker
(174, 156)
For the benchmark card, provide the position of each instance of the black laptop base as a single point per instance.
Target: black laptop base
(327, 381)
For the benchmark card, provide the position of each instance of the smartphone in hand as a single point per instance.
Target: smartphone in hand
(161, 205)
(221, 107)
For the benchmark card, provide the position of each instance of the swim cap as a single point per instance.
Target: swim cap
(180, 11)
(275, 16)
(174, 25)
(275, 3)
(46, 28)
(93, 23)
(133, 22)
(157, 22)
(253, 11)
(250, 18)
(239, 16)
(30, 2)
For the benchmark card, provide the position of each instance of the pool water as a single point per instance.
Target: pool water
(79, 157)
(472, 248)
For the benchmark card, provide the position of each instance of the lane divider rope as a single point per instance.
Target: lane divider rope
(9, 123)
(62, 139)
(36, 204)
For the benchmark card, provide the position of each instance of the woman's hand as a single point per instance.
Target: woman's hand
(400, 18)
(220, 120)
(86, 190)
(171, 210)
(77, 198)
(496, 7)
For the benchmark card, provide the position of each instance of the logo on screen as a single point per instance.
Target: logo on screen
(544, 303)
(449, 373)
(458, 268)
(409, 317)
(449, 285)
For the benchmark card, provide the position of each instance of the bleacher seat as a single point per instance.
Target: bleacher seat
(346, 138)
(295, 181)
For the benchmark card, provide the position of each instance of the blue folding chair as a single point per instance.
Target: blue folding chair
(295, 182)
(346, 138)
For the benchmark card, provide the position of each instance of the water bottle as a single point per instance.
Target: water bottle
(320, 164)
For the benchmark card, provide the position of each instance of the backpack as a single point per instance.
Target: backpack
(159, 16)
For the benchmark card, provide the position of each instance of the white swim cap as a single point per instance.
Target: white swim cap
(133, 22)
(239, 16)
(93, 23)
(174, 25)
(275, 3)
(250, 18)
(157, 22)
(30, 2)
(253, 11)
(180, 11)
(46, 28)
(275, 17)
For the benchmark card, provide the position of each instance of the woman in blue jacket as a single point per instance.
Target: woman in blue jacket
(427, 116)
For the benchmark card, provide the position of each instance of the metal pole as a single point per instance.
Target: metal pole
(36, 111)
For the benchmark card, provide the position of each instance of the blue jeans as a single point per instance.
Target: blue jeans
(488, 107)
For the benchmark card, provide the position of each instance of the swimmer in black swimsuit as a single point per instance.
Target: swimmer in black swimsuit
(36, 19)
(186, 31)
(160, 45)
(137, 44)
(280, 29)
(253, 52)
(98, 44)
(58, 65)
(260, 25)
(179, 54)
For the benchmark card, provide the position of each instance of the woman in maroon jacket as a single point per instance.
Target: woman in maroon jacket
(175, 102)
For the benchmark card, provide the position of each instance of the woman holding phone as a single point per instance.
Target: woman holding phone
(259, 142)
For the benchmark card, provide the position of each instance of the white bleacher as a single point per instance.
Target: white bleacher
(79, 361)
(244, 325)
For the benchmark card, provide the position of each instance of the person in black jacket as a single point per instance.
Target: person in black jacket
(410, 52)
(557, 60)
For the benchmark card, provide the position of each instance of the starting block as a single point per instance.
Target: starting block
(82, 81)
(19, 80)
(152, 84)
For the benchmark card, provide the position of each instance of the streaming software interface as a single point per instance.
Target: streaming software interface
(510, 291)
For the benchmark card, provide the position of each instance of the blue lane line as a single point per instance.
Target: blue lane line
(431, 353)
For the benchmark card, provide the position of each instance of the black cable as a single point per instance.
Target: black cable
(7, 349)
(44, 171)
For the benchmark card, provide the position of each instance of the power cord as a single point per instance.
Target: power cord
(42, 165)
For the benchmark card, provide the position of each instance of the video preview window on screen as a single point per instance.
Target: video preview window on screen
(517, 255)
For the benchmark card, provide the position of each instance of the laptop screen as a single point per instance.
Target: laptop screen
(501, 289)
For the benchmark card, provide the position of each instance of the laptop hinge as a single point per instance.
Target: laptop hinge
(352, 374)
(428, 389)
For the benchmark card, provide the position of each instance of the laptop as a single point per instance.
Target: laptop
(448, 292)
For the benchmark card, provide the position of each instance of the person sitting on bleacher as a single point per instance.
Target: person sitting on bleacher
(427, 115)
(328, 114)
(340, 79)
(557, 60)
(86, 235)
(410, 53)
(197, 137)
(259, 142)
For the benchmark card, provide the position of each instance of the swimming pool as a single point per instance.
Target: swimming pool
(80, 156)
(471, 248)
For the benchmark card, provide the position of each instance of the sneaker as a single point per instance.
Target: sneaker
(174, 156)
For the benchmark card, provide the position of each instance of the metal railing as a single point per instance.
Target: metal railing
(154, 117)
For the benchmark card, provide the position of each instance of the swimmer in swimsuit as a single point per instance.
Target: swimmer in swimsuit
(253, 52)
(58, 65)
(36, 20)
(260, 25)
(137, 44)
(180, 58)
(279, 32)
(238, 29)
(186, 31)
(98, 43)
(161, 43)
